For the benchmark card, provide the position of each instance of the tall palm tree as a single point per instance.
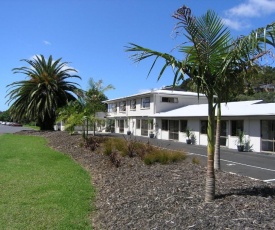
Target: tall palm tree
(46, 89)
(211, 59)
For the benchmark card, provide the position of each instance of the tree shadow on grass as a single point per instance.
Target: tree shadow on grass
(262, 191)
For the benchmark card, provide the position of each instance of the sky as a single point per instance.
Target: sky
(92, 36)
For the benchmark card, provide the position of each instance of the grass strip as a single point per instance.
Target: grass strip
(41, 188)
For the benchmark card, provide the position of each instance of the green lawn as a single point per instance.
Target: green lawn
(41, 188)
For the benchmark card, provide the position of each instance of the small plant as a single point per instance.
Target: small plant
(108, 146)
(240, 141)
(189, 134)
(115, 158)
(195, 160)
(163, 157)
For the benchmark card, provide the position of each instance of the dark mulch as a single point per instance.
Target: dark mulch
(136, 196)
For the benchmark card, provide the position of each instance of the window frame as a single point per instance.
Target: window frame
(133, 104)
(164, 124)
(183, 128)
(237, 127)
(169, 100)
(204, 127)
(122, 106)
(144, 102)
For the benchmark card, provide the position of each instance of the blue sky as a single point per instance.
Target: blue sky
(92, 35)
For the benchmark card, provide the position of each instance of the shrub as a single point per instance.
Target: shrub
(163, 157)
(115, 158)
(195, 160)
(108, 146)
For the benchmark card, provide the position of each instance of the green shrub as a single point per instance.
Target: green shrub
(195, 160)
(108, 146)
(163, 157)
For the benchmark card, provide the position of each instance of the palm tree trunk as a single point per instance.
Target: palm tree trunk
(217, 156)
(210, 175)
(87, 127)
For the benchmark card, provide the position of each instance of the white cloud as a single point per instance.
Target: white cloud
(252, 8)
(235, 24)
(47, 43)
(237, 17)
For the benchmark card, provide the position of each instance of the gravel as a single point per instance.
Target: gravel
(137, 196)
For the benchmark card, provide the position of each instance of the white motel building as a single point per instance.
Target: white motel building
(167, 114)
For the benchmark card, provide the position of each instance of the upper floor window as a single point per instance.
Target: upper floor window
(145, 103)
(133, 104)
(122, 106)
(170, 99)
(236, 127)
(112, 107)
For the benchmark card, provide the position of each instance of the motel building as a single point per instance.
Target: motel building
(166, 114)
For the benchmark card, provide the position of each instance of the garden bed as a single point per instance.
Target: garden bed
(137, 196)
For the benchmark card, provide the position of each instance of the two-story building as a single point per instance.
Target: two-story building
(167, 114)
(135, 113)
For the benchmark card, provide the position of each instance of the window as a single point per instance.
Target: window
(122, 106)
(204, 125)
(164, 125)
(236, 127)
(138, 123)
(112, 107)
(150, 124)
(145, 103)
(133, 104)
(183, 125)
(170, 99)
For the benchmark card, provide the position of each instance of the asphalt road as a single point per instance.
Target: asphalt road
(11, 129)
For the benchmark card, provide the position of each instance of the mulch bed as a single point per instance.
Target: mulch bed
(137, 196)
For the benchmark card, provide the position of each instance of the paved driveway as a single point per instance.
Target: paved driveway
(11, 129)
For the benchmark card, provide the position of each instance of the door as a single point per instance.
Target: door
(173, 130)
(268, 135)
(121, 126)
(144, 127)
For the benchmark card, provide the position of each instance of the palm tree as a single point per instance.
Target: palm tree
(94, 97)
(46, 89)
(212, 59)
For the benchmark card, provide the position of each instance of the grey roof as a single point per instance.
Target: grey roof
(231, 109)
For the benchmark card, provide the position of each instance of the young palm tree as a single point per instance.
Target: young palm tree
(94, 97)
(212, 59)
(46, 89)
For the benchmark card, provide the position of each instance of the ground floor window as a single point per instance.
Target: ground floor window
(236, 127)
(223, 133)
(268, 135)
(138, 123)
(164, 125)
(183, 125)
(204, 125)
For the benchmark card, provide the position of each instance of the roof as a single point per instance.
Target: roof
(159, 91)
(241, 108)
